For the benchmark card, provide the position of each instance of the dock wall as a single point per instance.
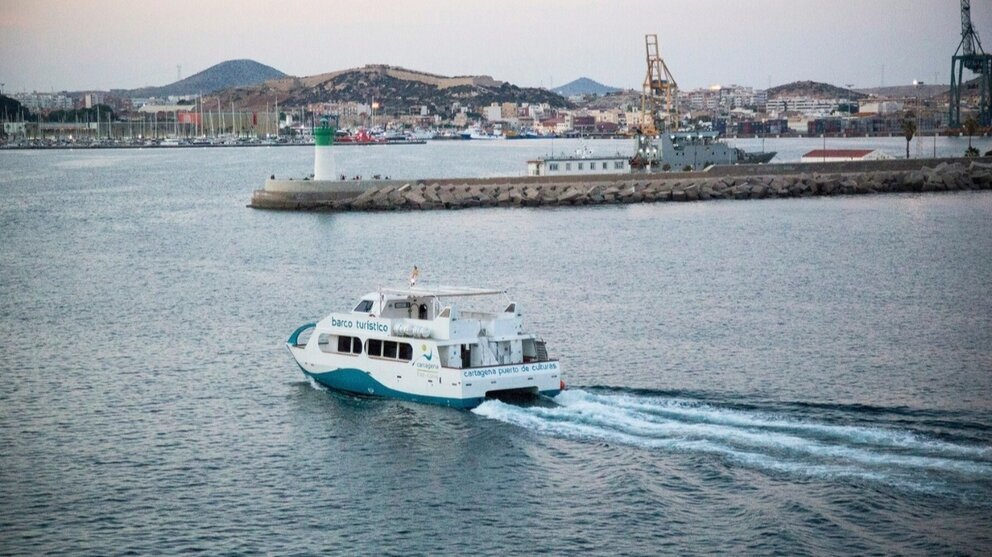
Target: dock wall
(721, 182)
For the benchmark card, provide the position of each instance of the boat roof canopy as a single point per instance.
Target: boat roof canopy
(441, 291)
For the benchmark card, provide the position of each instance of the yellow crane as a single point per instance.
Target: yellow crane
(660, 94)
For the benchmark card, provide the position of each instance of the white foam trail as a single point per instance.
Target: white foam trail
(575, 430)
(641, 423)
(755, 439)
(694, 411)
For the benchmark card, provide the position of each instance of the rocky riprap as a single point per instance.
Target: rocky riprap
(430, 195)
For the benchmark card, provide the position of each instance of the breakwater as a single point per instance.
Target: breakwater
(727, 182)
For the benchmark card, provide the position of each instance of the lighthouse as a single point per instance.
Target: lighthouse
(323, 156)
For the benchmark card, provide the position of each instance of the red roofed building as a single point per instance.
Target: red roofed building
(841, 155)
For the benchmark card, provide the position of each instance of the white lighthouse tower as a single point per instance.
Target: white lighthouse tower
(323, 155)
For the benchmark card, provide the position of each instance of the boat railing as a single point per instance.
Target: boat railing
(294, 339)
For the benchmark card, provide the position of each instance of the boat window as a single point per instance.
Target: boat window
(401, 305)
(389, 349)
(568, 166)
(553, 167)
(374, 347)
(348, 345)
(326, 343)
(580, 166)
(364, 306)
(604, 166)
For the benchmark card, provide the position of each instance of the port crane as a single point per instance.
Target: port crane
(660, 93)
(658, 143)
(659, 113)
(971, 56)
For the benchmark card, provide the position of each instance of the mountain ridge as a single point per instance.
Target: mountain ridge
(394, 88)
(225, 75)
(584, 86)
(813, 89)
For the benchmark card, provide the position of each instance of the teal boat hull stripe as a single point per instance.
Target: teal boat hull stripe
(357, 381)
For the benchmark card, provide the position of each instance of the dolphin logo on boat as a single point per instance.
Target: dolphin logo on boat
(428, 355)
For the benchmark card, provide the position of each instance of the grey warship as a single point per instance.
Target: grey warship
(687, 149)
(658, 143)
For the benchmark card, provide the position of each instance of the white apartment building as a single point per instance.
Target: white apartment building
(44, 101)
(719, 96)
(493, 112)
(804, 105)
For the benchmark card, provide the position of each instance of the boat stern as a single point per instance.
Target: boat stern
(530, 378)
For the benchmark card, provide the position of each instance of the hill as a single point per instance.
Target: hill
(813, 90)
(584, 86)
(907, 91)
(232, 73)
(397, 90)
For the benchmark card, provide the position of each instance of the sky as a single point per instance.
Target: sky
(74, 45)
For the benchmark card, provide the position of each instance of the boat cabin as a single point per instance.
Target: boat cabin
(400, 324)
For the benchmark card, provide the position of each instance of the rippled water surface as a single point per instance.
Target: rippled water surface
(801, 376)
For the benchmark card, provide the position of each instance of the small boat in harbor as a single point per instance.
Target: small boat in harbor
(419, 344)
(476, 132)
(360, 137)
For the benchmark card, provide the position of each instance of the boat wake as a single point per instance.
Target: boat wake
(769, 441)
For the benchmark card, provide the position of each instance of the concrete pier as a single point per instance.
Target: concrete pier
(726, 182)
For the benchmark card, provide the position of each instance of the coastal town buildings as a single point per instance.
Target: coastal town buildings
(805, 109)
(37, 102)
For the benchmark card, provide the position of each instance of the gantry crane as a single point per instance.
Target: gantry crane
(659, 113)
(971, 56)
(660, 93)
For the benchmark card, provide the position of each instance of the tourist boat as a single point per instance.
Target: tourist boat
(418, 344)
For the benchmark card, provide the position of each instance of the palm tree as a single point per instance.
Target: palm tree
(908, 131)
(970, 127)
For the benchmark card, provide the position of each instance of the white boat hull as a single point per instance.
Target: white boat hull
(420, 381)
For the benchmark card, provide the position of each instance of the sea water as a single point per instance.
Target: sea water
(800, 376)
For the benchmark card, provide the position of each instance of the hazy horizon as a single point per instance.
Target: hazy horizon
(107, 44)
